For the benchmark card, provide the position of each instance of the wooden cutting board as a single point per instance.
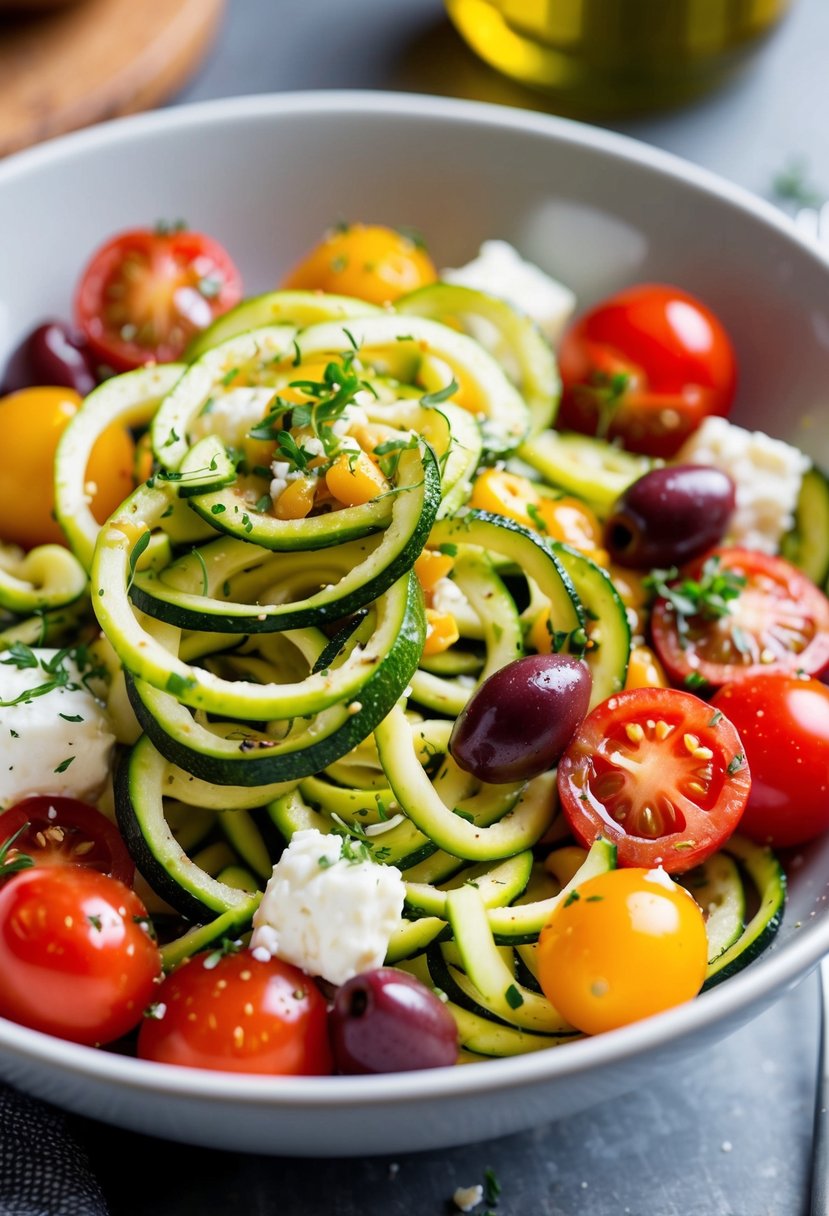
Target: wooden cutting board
(96, 59)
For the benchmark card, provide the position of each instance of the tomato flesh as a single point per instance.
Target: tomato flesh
(76, 958)
(145, 294)
(251, 1016)
(658, 773)
(783, 722)
(65, 831)
(669, 357)
(631, 944)
(779, 621)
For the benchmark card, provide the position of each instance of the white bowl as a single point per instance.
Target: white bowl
(266, 175)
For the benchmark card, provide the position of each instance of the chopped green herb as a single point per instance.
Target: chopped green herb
(442, 394)
(492, 1187)
(96, 922)
(64, 765)
(715, 717)
(513, 997)
(72, 717)
(571, 899)
(735, 764)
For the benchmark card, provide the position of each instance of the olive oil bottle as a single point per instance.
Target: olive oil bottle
(610, 56)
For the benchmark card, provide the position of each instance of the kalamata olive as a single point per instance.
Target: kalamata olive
(50, 355)
(669, 516)
(520, 720)
(387, 1021)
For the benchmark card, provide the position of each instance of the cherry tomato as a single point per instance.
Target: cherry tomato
(31, 423)
(784, 725)
(631, 944)
(657, 772)
(64, 831)
(236, 1013)
(777, 620)
(646, 366)
(364, 260)
(145, 293)
(76, 956)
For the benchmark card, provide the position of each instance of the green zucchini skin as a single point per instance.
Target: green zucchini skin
(769, 879)
(807, 545)
(139, 809)
(412, 513)
(257, 760)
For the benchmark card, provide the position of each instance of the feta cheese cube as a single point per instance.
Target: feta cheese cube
(328, 912)
(767, 475)
(501, 271)
(59, 742)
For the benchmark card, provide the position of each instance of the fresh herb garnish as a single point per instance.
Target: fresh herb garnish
(709, 597)
(11, 859)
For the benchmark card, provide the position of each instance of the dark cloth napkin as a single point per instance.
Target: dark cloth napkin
(43, 1169)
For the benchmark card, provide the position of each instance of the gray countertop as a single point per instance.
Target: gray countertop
(728, 1134)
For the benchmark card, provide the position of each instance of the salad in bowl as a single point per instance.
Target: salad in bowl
(401, 668)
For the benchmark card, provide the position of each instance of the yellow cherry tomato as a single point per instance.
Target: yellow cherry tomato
(31, 423)
(430, 567)
(625, 945)
(368, 261)
(354, 479)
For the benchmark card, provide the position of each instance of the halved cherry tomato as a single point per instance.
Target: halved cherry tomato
(625, 945)
(63, 831)
(657, 772)
(237, 1013)
(646, 366)
(784, 725)
(76, 956)
(777, 621)
(145, 293)
(31, 424)
(369, 261)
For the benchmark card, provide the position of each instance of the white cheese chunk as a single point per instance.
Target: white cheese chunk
(56, 743)
(468, 1197)
(767, 475)
(501, 271)
(326, 913)
(232, 415)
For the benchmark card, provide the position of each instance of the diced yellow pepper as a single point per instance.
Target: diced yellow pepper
(297, 499)
(432, 566)
(645, 670)
(354, 479)
(441, 632)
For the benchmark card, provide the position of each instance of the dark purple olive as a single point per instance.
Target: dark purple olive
(518, 723)
(50, 355)
(387, 1021)
(669, 516)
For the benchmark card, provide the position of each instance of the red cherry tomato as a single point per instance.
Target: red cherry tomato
(236, 1013)
(76, 956)
(64, 831)
(144, 294)
(784, 725)
(646, 366)
(657, 772)
(778, 620)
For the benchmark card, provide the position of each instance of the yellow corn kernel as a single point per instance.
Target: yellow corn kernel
(645, 670)
(297, 499)
(563, 863)
(441, 632)
(505, 494)
(432, 566)
(354, 479)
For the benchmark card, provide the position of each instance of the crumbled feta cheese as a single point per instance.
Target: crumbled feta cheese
(447, 596)
(232, 415)
(468, 1197)
(328, 914)
(501, 271)
(59, 742)
(767, 474)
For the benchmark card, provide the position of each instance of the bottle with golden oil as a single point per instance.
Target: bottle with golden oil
(610, 56)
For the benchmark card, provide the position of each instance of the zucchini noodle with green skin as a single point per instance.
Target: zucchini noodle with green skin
(308, 588)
